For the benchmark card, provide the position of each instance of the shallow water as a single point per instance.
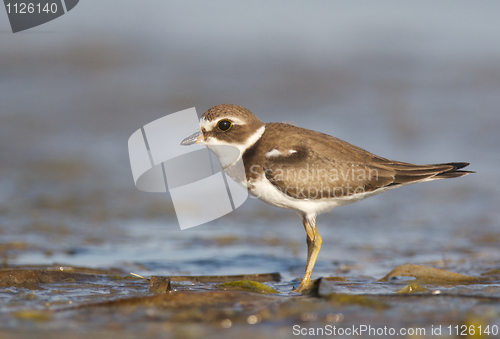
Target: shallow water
(378, 78)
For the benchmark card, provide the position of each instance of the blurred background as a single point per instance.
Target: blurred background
(412, 81)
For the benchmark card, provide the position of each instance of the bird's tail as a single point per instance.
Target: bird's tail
(409, 173)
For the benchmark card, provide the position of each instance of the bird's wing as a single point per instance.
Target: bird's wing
(321, 166)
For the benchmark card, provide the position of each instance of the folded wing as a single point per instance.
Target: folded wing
(321, 166)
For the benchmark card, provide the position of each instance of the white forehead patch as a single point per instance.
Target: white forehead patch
(209, 125)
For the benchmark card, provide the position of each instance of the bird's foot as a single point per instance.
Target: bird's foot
(304, 286)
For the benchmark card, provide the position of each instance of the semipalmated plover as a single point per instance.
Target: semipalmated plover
(304, 170)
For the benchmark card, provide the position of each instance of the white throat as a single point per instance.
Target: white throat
(229, 155)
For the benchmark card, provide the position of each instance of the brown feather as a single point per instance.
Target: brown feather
(324, 166)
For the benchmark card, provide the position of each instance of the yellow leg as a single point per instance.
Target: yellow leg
(313, 246)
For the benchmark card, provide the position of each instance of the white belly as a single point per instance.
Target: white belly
(267, 192)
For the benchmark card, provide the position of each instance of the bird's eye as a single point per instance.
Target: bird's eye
(224, 125)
